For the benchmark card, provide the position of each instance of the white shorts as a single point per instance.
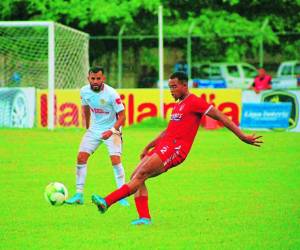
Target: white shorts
(90, 143)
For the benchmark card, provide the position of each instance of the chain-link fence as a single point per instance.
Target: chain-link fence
(132, 61)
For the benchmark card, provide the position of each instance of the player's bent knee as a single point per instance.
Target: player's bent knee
(136, 183)
(133, 174)
(82, 157)
(141, 176)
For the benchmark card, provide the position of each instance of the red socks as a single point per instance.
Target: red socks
(117, 195)
(141, 204)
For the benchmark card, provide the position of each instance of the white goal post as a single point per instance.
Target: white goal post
(48, 54)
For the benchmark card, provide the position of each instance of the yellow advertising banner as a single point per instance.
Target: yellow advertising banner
(139, 104)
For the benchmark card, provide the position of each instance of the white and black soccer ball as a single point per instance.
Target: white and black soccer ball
(56, 193)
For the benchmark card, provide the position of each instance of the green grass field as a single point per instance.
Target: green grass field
(226, 195)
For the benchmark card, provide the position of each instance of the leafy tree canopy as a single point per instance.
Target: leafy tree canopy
(227, 16)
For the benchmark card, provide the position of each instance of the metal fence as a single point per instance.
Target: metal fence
(132, 60)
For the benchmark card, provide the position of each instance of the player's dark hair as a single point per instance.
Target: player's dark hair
(180, 75)
(96, 69)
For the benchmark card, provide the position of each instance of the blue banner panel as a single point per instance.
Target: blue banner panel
(266, 115)
(209, 83)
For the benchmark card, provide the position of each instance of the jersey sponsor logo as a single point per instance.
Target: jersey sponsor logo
(102, 101)
(99, 111)
(176, 117)
(118, 101)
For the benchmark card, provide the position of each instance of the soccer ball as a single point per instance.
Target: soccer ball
(56, 193)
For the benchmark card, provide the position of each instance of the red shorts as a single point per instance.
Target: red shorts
(170, 153)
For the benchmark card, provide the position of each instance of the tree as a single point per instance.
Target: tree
(227, 29)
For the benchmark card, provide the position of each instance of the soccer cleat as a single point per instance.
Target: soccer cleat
(100, 203)
(141, 221)
(76, 199)
(124, 203)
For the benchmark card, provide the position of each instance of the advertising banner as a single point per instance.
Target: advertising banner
(266, 115)
(139, 104)
(277, 96)
(17, 107)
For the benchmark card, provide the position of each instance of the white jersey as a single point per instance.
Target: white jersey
(104, 106)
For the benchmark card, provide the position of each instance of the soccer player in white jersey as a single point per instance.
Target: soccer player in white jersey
(103, 105)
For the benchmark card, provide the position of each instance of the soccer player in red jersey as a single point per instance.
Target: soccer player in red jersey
(171, 147)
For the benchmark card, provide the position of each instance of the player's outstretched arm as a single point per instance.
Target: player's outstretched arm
(152, 144)
(249, 139)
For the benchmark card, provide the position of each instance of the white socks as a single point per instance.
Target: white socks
(81, 170)
(119, 174)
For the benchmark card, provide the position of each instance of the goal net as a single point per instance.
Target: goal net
(44, 55)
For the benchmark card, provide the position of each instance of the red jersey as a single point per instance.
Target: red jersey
(185, 121)
(262, 83)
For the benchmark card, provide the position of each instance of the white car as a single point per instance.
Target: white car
(236, 75)
(288, 75)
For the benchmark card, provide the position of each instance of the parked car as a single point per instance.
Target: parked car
(230, 75)
(288, 75)
(207, 76)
